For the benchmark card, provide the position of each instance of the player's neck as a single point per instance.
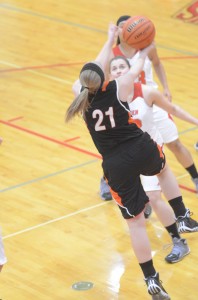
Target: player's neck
(127, 50)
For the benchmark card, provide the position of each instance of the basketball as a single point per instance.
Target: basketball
(138, 32)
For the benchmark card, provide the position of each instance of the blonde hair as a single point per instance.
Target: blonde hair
(91, 82)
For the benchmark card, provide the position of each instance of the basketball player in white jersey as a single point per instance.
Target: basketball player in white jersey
(162, 119)
(141, 106)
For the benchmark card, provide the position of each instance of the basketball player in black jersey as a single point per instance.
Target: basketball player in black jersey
(126, 150)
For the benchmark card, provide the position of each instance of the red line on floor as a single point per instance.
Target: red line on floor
(73, 139)
(15, 119)
(69, 146)
(40, 67)
(179, 57)
(78, 63)
(187, 189)
(50, 139)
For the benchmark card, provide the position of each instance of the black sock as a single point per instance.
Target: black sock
(178, 206)
(192, 170)
(173, 231)
(148, 268)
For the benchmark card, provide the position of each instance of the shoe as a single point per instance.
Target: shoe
(186, 224)
(196, 146)
(180, 249)
(155, 288)
(195, 180)
(105, 193)
(147, 211)
(159, 297)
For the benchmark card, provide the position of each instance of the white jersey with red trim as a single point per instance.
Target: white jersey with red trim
(162, 119)
(146, 76)
(144, 113)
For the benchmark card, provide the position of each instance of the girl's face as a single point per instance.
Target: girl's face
(118, 67)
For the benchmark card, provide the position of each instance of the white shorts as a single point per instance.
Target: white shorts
(3, 258)
(165, 125)
(150, 183)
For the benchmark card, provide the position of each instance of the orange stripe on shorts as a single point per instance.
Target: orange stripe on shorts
(117, 198)
(160, 151)
(115, 195)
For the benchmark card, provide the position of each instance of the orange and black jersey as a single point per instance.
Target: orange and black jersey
(109, 120)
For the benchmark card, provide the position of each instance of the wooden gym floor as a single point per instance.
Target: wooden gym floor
(56, 229)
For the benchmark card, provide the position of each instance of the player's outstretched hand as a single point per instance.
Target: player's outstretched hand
(112, 32)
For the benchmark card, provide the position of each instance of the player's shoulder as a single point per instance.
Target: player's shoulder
(149, 90)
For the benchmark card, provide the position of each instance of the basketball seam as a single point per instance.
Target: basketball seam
(145, 38)
(148, 21)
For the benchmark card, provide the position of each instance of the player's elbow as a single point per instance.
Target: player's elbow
(175, 110)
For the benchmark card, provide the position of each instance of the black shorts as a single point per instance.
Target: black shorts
(123, 167)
